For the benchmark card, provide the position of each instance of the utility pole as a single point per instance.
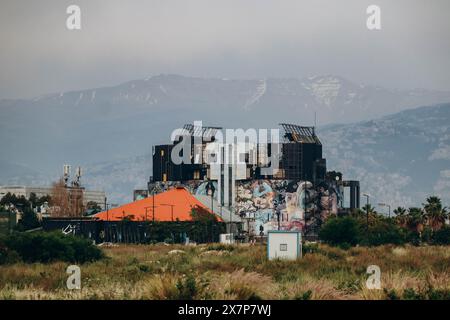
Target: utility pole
(386, 205)
(169, 205)
(153, 196)
(367, 212)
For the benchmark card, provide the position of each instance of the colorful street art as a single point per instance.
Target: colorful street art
(267, 205)
(287, 205)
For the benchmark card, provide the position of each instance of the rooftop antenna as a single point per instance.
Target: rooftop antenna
(78, 176)
(66, 173)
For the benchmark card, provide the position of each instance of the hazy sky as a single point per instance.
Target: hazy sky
(124, 40)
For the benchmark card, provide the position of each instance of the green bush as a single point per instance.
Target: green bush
(186, 289)
(383, 232)
(52, 246)
(349, 231)
(7, 255)
(340, 231)
(413, 238)
(442, 236)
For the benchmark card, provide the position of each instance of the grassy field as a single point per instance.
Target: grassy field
(237, 272)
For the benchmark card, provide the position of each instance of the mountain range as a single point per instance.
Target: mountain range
(370, 133)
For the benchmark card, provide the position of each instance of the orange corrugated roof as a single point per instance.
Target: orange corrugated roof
(181, 199)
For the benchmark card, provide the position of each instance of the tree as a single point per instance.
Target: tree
(401, 217)
(340, 231)
(66, 201)
(12, 199)
(29, 220)
(203, 215)
(435, 213)
(60, 200)
(416, 219)
(33, 199)
(374, 216)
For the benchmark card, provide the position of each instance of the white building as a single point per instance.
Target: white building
(88, 195)
(284, 245)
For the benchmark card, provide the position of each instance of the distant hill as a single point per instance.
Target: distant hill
(114, 127)
(400, 158)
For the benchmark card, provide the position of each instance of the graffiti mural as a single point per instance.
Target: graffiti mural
(287, 205)
(275, 204)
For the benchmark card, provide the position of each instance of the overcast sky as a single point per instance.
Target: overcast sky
(125, 40)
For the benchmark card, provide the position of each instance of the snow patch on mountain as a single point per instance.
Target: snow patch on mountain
(261, 89)
(326, 90)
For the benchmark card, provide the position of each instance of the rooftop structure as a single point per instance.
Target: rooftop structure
(173, 205)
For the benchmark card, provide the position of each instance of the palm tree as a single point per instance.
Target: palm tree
(371, 209)
(435, 213)
(372, 213)
(416, 219)
(401, 216)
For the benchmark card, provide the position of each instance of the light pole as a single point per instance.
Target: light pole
(169, 205)
(367, 210)
(153, 204)
(146, 208)
(107, 211)
(386, 205)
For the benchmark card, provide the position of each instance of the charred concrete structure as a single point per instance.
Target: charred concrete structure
(301, 158)
(163, 167)
(298, 195)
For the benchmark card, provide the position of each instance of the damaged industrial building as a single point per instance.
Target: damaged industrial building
(255, 186)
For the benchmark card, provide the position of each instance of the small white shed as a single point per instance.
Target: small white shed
(284, 245)
(226, 238)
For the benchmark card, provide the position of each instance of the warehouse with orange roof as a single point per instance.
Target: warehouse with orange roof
(173, 205)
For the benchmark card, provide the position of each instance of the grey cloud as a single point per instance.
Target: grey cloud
(122, 40)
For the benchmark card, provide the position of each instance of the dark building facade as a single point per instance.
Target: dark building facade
(301, 157)
(298, 195)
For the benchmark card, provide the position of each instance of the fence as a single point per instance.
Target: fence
(137, 231)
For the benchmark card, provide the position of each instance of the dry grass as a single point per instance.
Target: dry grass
(240, 272)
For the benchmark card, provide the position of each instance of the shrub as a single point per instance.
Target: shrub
(6, 255)
(201, 214)
(442, 236)
(311, 248)
(220, 247)
(187, 288)
(304, 296)
(384, 232)
(340, 231)
(46, 247)
(411, 294)
(391, 294)
(413, 238)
